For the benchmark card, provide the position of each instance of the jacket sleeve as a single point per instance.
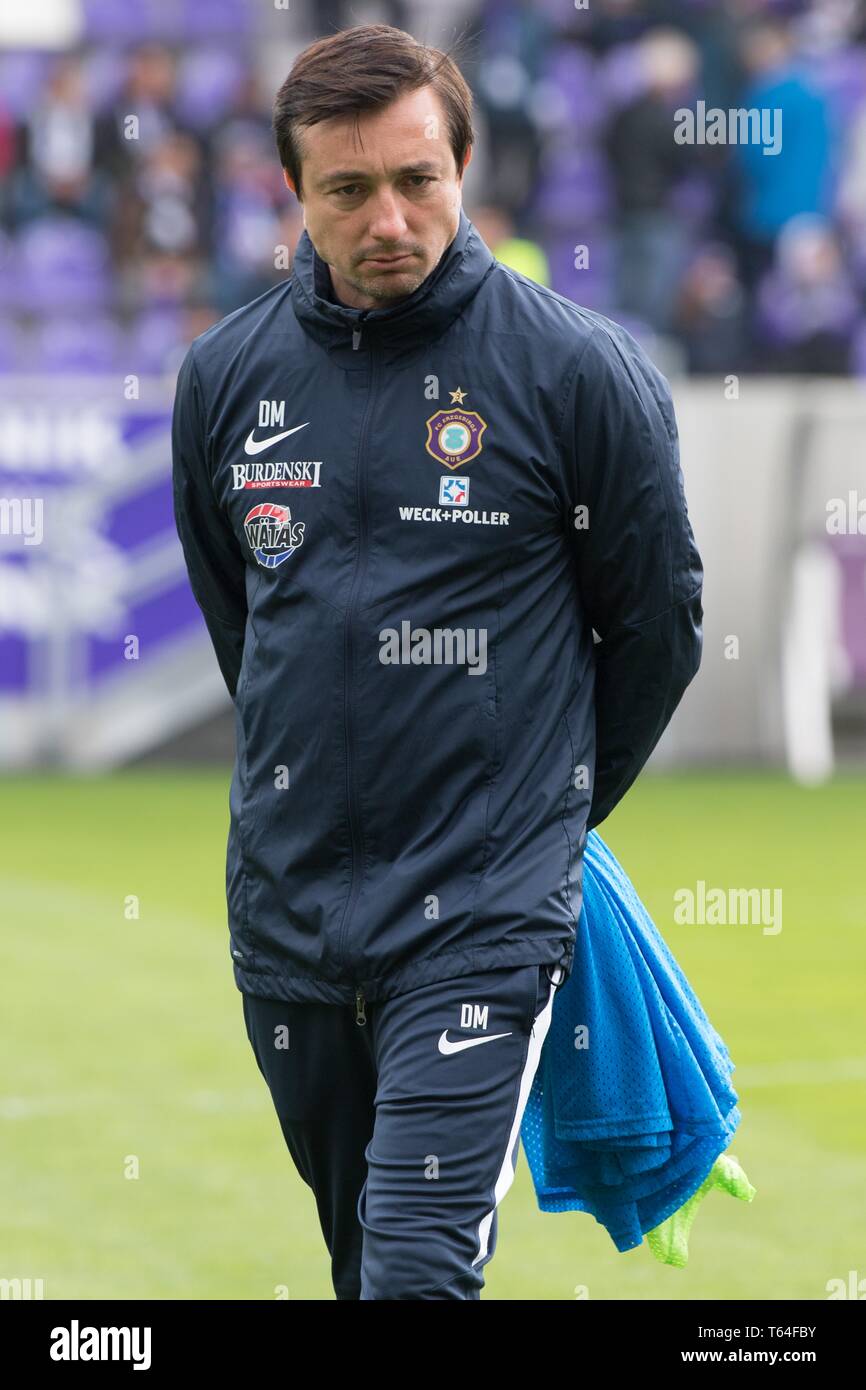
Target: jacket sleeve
(214, 561)
(638, 570)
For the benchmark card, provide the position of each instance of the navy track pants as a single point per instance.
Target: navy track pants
(407, 1126)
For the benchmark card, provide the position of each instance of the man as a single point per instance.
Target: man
(409, 483)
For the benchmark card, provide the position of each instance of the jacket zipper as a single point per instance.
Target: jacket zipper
(360, 1016)
(354, 817)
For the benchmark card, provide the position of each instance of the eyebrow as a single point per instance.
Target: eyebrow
(423, 166)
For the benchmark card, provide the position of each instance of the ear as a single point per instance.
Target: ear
(467, 161)
(289, 182)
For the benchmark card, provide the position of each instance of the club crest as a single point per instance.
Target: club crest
(454, 436)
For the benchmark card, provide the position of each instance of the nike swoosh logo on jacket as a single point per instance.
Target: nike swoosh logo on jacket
(255, 446)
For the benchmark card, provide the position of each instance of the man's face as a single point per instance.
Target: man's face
(381, 209)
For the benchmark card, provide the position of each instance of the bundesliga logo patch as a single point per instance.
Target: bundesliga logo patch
(271, 534)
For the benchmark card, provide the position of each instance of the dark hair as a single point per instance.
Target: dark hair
(361, 69)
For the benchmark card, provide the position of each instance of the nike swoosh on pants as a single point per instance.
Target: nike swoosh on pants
(446, 1047)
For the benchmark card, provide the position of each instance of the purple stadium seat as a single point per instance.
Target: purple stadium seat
(560, 17)
(207, 84)
(622, 75)
(693, 200)
(105, 19)
(10, 354)
(154, 339)
(61, 264)
(591, 286)
(8, 268)
(67, 344)
(26, 348)
(574, 188)
(165, 20)
(573, 74)
(105, 72)
(22, 76)
(228, 17)
(841, 76)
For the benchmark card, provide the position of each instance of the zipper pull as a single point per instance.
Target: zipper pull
(356, 338)
(360, 1016)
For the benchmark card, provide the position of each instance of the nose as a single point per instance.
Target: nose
(388, 223)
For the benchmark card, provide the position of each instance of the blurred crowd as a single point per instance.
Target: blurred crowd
(745, 260)
(141, 196)
(141, 200)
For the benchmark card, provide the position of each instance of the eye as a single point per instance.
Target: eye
(348, 190)
(425, 178)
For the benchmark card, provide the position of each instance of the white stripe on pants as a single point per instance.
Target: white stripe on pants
(533, 1057)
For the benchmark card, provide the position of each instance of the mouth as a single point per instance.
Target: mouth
(389, 261)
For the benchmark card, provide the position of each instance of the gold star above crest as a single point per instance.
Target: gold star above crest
(457, 395)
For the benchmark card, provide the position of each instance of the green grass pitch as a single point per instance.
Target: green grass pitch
(124, 1041)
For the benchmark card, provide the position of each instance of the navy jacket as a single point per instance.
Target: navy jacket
(404, 527)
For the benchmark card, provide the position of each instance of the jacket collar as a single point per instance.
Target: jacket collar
(422, 316)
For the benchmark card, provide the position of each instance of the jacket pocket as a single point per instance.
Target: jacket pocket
(540, 995)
